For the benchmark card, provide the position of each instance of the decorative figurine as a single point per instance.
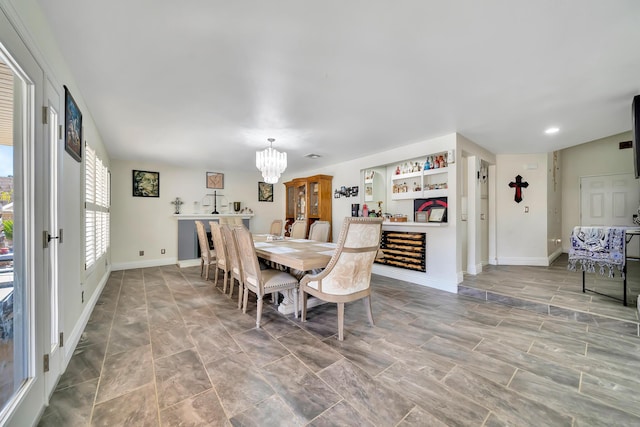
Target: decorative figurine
(177, 203)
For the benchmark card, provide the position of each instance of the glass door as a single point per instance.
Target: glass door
(25, 310)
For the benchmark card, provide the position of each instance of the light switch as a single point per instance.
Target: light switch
(526, 209)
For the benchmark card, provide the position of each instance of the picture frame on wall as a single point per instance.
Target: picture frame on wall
(215, 180)
(146, 183)
(72, 126)
(265, 192)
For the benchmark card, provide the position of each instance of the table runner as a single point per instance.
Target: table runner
(602, 246)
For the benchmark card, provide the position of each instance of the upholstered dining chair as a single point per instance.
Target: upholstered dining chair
(276, 227)
(233, 259)
(347, 277)
(207, 255)
(222, 262)
(261, 282)
(319, 231)
(299, 229)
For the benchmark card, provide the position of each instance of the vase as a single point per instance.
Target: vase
(236, 206)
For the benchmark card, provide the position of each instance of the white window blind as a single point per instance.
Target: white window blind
(97, 202)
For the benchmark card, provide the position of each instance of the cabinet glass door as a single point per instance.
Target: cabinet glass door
(291, 202)
(301, 201)
(314, 194)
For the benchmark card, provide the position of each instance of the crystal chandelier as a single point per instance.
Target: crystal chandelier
(271, 163)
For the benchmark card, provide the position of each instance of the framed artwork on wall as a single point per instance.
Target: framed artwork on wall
(72, 127)
(215, 180)
(146, 184)
(265, 192)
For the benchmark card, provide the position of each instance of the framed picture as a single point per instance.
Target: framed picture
(72, 127)
(215, 180)
(421, 216)
(436, 214)
(265, 192)
(146, 184)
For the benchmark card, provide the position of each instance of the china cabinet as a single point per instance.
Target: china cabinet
(308, 199)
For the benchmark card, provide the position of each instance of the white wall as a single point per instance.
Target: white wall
(599, 157)
(147, 223)
(521, 237)
(441, 242)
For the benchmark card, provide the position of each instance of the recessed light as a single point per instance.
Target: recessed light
(313, 156)
(552, 130)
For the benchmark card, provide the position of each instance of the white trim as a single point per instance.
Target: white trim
(183, 263)
(555, 255)
(143, 264)
(419, 278)
(71, 341)
(532, 261)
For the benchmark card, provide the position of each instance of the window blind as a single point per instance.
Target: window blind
(97, 203)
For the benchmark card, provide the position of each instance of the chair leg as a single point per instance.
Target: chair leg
(303, 316)
(231, 284)
(294, 291)
(259, 313)
(215, 276)
(340, 321)
(246, 299)
(240, 293)
(224, 282)
(201, 266)
(367, 306)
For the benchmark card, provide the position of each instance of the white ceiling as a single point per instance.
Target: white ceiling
(206, 82)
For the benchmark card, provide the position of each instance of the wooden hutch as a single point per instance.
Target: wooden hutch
(308, 198)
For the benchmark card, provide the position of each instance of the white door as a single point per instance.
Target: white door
(609, 200)
(52, 235)
(25, 328)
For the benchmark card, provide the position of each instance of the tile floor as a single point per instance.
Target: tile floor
(164, 347)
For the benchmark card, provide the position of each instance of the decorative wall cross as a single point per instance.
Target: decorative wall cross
(518, 185)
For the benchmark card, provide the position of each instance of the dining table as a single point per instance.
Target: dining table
(297, 254)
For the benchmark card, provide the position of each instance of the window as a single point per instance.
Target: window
(96, 207)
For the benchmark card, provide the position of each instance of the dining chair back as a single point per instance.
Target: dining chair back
(276, 227)
(221, 254)
(261, 282)
(299, 229)
(319, 231)
(233, 259)
(347, 277)
(207, 255)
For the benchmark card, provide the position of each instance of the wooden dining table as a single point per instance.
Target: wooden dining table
(299, 254)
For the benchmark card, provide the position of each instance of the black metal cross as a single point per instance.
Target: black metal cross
(519, 185)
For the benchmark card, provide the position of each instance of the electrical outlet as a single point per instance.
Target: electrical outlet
(162, 251)
(141, 253)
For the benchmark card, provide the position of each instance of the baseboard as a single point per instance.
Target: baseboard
(533, 261)
(555, 255)
(72, 340)
(183, 263)
(419, 278)
(143, 264)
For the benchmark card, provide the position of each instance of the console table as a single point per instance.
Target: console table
(188, 237)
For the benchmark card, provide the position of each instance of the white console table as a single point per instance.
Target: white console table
(188, 237)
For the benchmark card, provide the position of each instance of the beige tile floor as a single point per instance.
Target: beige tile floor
(164, 347)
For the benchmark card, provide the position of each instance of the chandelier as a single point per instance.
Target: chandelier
(271, 163)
